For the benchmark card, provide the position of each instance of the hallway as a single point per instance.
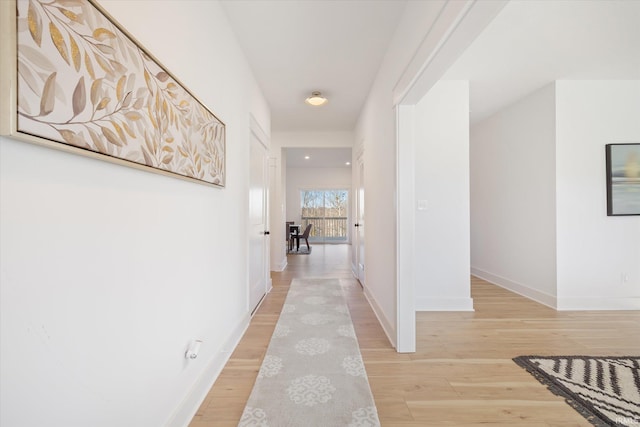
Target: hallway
(462, 373)
(225, 402)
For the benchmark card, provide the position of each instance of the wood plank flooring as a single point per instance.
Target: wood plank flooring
(461, 374)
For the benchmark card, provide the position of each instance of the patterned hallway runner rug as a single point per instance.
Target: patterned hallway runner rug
(605, 390)
(312, 373)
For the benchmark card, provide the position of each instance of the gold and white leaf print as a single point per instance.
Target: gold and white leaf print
(85, 83)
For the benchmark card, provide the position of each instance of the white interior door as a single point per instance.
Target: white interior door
(360, 223)
(258, 233)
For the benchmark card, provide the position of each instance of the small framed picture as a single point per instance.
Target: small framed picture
(623, 179)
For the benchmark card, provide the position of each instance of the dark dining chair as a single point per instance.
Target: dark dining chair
(296, 238)
(287, 230)
(292, 229)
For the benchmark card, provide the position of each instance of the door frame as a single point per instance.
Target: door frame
(359, 269)
(457, 26)
(405, 230)
(261, 136)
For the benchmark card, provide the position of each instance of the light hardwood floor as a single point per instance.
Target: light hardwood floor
(461, 374)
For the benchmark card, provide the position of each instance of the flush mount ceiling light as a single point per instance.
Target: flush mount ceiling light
(316, 99)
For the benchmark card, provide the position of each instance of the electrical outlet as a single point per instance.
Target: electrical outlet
(624, 278)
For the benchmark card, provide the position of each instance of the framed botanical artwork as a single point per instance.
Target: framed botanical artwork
(623, 179)
(74, 79)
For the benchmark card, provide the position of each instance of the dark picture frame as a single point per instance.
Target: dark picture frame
(623, 179)
(74, 79)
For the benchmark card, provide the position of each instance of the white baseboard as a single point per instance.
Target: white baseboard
(559, 303)
(387, 326)
(185, 412)
(354, 270)
(281, 266)
(518, 288)
(444, 304)
(577, 304)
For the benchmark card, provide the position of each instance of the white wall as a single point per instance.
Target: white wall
(376, 136)
(108, 273)
(513, 238)
(441, 236)
(319, 139)
(594, 250)
(539, 222)
(278, 188)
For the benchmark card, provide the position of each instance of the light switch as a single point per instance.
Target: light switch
(422, 205)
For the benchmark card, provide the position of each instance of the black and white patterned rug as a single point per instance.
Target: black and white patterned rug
(605, 390)
(312, 374)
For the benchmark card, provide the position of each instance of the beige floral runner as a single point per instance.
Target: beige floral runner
(312, 374)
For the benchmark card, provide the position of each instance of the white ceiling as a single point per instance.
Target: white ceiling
(532, 43)
(318, 157)
(295, 47)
